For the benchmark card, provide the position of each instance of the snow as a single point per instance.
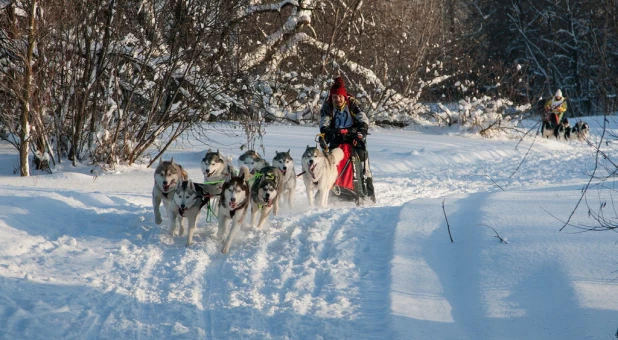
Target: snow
(81, 256)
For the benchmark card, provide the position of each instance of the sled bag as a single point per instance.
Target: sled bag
(345, 168)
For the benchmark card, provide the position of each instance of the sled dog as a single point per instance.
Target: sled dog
(233, 205)
(320, 172)
(265, 192)
(285, 163)
(252, 160)
(546, 130)
(189, 198)
(580, 130)
(216, 169)
(560, 131)
(167, 176)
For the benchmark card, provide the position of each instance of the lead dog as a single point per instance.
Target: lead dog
(265, 192)
(285, 163)
(320, 173)
(166, 178)
(233, 206)
(252, 160)
(189, 198)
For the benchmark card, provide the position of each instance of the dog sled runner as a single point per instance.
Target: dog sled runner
(351, 183)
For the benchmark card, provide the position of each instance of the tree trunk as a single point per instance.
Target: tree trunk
(24, 134)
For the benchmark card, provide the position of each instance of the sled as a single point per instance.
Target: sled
(350, 185)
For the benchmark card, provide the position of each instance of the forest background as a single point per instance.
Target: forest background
(100, 81)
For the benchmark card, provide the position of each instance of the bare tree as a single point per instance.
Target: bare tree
(21, 22)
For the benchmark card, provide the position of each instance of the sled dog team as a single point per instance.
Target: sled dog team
(257, 186)
(564, 131)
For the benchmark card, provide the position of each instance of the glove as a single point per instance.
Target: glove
(329, 135)
(360, 135)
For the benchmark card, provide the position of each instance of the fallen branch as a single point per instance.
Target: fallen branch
(503, 240)
(447, 225)
(491, 179)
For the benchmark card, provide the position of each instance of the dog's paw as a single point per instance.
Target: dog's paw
(224, 251)
(158, 219)
(189, 244)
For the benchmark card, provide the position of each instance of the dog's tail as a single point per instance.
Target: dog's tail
(337, 154)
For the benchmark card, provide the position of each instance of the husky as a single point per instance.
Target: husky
(265, 192)
(233, 206)
(252, 160)
(189, 198)
(285, 163)
(546, 129)
(167, 176)
(560, 131)
(568, 133)
(581, 131)
(216, 169)
(320, 172)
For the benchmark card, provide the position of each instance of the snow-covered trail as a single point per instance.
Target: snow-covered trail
(95, 265)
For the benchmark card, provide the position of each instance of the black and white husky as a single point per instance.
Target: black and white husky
(265, 192)
(580, 131)
(233, 206)
(320, 173)
(285, 163)
(562, 129)
(216, 169)
(546, 129)
(252, 160)
(189, 198)
(167, 176)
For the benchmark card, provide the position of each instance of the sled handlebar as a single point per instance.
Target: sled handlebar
(318, 137)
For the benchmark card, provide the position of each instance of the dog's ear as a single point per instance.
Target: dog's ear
(218, 154)
(172, 160)
(207, 152)
(288, 151)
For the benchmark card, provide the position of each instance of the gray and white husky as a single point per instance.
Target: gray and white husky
(265, 192)
(285, 163)
(189, 198)
(167, 176)
(216, 169)
(252, 160)
(233, 206)
(320, 172)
